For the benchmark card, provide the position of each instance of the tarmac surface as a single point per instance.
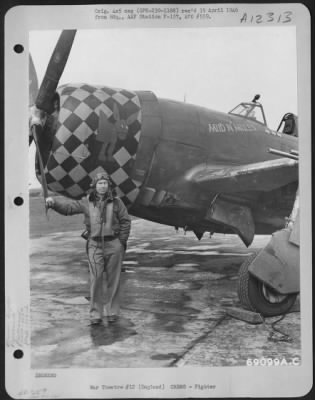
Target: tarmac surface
(176, 291)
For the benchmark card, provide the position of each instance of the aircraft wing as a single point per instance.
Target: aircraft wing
(262, 176)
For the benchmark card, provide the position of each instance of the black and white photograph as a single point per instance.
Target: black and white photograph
(161, 191)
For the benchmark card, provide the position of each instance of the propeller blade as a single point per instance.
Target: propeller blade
(43, 182)
(33, 82)
(32, 89)
(54, 70)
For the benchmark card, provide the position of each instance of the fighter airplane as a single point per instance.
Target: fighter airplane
(171, 162)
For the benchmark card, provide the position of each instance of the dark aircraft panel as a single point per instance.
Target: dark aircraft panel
(171, 160)
(180, 122)
(150, 136)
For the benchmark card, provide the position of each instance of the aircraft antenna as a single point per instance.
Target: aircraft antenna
(256, 98)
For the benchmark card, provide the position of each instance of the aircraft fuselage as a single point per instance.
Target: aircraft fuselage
(149, 146)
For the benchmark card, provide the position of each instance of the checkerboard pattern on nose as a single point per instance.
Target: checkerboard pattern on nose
(80, 144)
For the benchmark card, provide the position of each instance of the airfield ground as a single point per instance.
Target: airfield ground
(176, 290)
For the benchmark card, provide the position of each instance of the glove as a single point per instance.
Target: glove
(50, 202)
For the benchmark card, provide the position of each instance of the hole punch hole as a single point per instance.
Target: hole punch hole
(18, 354)
(18, 48)
(18, 201)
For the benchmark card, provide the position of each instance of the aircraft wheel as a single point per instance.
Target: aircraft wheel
(258, 297)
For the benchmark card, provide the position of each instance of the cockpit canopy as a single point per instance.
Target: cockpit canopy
(254, 111)
(251, 110)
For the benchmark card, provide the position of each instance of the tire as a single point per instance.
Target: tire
(256, 296)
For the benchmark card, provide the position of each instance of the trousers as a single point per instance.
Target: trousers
(105, 262)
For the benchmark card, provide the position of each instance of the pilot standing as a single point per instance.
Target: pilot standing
(108, 226)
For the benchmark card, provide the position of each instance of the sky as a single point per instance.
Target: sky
(215, 68)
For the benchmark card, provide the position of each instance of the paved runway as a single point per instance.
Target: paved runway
(176, 290)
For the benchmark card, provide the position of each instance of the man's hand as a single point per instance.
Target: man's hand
(50, 202)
